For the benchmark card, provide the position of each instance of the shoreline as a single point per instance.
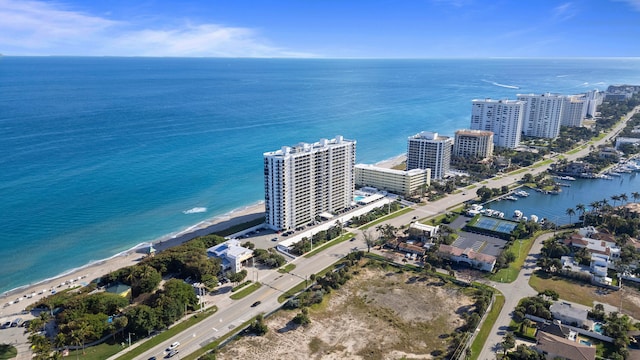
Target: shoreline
(33, 292)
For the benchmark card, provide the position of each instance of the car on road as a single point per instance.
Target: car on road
(6, 325)
(172, 353)
(274, 239)
(152, 358)
(173, 346)
(256, 303)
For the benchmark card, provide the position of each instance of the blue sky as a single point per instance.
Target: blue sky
(322, 28)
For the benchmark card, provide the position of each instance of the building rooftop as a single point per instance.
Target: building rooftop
(309, 147)
(468, 252)
(467, 132)
(564, 348)
(391, 171)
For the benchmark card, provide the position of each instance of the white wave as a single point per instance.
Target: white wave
(195, 210)
(502, 85)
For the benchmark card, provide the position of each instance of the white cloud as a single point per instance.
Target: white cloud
(564, 12)
(38, 28)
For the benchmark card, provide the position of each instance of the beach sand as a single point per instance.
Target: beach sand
(30, 294)
(390, 163)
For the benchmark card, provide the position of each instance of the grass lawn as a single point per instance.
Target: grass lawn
(542, 163)
(385, 218)
(516, 172)
(329, 244)
(511, 273)
(568, 290)
(287, 268)
(246, 291)
(160, 338)
(585, 294)
(487, 325)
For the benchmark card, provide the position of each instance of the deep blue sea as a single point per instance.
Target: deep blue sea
(101, 154)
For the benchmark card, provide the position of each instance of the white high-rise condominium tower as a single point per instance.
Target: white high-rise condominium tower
(306, 180)
(542, 114)
(427, 150)
(502, 117)
(574, 110)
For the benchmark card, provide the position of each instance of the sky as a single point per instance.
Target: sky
(321, 28)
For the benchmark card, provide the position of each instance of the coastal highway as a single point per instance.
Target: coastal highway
(232, 314)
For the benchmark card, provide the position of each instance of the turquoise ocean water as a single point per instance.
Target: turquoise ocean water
(101, 154)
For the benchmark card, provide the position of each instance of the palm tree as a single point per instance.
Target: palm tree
(570, 212)
(636, 196)
(615, 198)
(581, 208)
(623, 197)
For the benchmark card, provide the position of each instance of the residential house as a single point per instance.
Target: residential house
(475, 259)
(571, 314)
(556, 347)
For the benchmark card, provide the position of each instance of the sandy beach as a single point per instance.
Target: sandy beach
(394, 161)
(15, 301)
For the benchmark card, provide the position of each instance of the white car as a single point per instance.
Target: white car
(173, 346)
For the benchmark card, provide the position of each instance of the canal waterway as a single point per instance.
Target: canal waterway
(581, 191)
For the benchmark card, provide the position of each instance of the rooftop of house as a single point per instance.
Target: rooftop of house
(564, 348)
(468, 252)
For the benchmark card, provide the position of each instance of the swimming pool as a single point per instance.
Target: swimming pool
(358, 198)
(597, 327)
(585, 342)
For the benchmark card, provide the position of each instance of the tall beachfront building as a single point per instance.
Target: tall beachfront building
(305, 180)
(428, 150)
(542, 114)
(476, 144)
(574, 110)
(502, 117)
(594, 99)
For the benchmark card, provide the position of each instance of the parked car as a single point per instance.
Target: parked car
(6, 325)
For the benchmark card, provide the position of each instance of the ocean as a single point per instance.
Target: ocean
(101, 154)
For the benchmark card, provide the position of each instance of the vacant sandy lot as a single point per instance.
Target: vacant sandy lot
(377, 315)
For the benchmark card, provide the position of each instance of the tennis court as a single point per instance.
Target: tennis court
(498, 225)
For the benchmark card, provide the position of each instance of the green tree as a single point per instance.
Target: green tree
(508, 342)
(142, 319)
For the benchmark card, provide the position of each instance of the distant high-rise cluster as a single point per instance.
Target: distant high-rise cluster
(532, 115)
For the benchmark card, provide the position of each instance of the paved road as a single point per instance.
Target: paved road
(232, 313)
(512, 292)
